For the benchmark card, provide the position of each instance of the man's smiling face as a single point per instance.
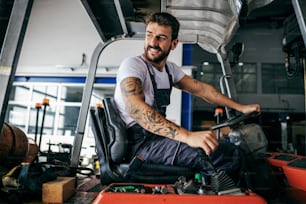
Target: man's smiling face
(158, 42)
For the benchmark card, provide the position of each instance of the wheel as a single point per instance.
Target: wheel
(235, 120)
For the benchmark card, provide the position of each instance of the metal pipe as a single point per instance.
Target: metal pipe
(163, 5)
(45, 104)
(229, 83)
(300, 18)
(304, 65)
(10, 50)
(90, 79)
(38, 107)
(301, 22)
(223, 91)
(120, 16)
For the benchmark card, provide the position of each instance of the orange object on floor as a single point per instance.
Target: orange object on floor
(280, 159)
(129, 194)
(295, 172)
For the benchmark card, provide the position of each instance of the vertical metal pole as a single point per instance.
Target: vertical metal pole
(163, 5)
(85, 106)
(298, 6)
(300, 13)
(38, 107)
(121, 17)
(10, 51)
(78, 139)
(45, 104)
(284, 132)
(304, 65)
(228, 80)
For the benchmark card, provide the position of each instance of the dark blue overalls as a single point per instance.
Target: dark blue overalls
(162, 150)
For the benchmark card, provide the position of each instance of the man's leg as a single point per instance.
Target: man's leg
(162, 150)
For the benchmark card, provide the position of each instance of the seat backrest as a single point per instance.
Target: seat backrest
(99, 130)
(111, 144)
(116, 131)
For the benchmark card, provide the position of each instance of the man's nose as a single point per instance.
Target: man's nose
(154, 41)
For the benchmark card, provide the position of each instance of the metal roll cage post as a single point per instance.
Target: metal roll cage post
(223, 79)
(11, 49)
(300, 13)
(90, 79)
(226, 78)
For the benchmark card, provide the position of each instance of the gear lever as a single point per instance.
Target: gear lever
(220, 181)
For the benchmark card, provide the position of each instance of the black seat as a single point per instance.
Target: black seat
(111, 145)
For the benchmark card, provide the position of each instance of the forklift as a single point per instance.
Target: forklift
(171, 187)
(123, 188)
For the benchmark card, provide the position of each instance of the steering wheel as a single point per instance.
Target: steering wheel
(232, 122)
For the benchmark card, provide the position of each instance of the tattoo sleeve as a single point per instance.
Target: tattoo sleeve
(142, 113)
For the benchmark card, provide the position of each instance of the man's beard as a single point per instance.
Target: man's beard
(159, 58)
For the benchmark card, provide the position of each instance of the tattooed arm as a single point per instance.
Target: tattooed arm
(145, 115)
(212, 95)
(151, 120)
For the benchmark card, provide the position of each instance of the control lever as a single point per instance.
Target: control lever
(205, 157)
(220, 181)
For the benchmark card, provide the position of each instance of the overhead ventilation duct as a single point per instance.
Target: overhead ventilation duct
(210, 23)
(254, 4)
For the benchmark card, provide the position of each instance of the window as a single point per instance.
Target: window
(275, 80)
(67, 119)
(60, 115)
(209, 73)
(244, 76)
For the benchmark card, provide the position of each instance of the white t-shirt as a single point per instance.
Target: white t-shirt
(136, 67)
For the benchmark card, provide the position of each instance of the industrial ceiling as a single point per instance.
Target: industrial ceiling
(209, 23)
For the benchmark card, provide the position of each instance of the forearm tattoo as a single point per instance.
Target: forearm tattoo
(158, 124)
(148, 117)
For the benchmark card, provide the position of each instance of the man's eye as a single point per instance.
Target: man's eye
(161, 38)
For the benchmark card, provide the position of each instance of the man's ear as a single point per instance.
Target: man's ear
(174, 43)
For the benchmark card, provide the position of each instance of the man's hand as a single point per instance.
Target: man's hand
(203, 139)
(250, 108)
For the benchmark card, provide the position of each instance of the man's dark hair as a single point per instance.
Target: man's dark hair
(165, 19)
